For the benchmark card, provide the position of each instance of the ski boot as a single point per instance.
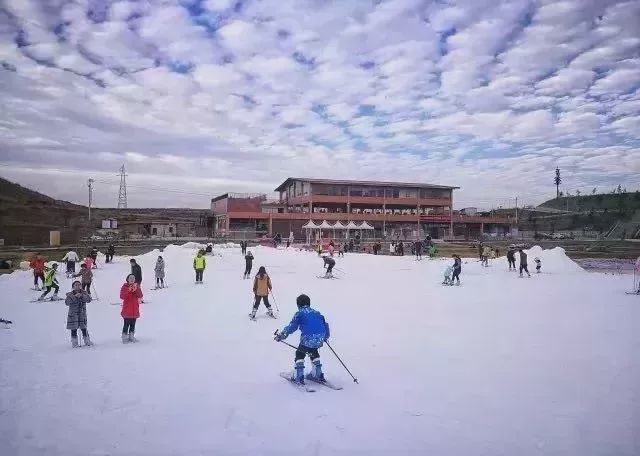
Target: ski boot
(74, 342)
(87, 340)
(316, 372)
(298, 373)
(132, 337)
(252, 315)
(270, 313)
(55, 297)
(125, 338)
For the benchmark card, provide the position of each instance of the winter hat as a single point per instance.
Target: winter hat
(303, 301)
(262, 270)
(74, 283)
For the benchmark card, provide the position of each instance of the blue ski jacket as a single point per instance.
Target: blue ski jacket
(313, 327)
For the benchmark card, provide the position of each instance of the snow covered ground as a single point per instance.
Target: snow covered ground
(497, 366)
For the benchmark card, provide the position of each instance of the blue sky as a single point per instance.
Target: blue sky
(209, 96)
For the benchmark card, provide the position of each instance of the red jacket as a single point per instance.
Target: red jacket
(131, 294)
(37, 265)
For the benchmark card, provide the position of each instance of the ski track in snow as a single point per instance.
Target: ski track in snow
(502, 365)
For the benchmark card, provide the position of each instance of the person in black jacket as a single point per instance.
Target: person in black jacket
(248, 262)
(457, 269)
(511, 258)
(136, 270)
(111, 251)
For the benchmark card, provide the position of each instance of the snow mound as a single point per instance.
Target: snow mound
(555, 260)
(227, 245)
(193, 245)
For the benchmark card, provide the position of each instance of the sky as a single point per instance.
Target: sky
(201, 97)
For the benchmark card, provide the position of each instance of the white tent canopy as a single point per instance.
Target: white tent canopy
(365, 226)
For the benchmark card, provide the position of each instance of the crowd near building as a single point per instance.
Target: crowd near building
(337, 208)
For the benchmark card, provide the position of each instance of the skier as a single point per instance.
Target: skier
(87, 277)
(243, 247)
(418, 247)
(401, 248)
(159, 270)
(523, 262)
(88, 262)
(209, 249)
(199, 265)
(50, 282)
(480, 250)
(447, 276)
(111, 251)
(329, 263)
(511, 257)
(131, 295)
(340, 249)
(77, 300)
(433, 251)
(538, 264)
(457, 269)
(136, 271)
(314, 331)
(486, 252)
(37, 264)
(248, 264)
(261, 288)
(71, 257)
(94, 256)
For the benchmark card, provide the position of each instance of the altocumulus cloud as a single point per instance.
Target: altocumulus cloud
(208, 96)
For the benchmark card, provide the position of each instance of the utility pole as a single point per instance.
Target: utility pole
(516, 210)
(90, 185)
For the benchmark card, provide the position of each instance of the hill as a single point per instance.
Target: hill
(599, 202)
(27, 216)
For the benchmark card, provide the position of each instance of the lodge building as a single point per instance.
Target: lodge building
(395, 208)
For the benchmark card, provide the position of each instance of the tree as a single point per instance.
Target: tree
(577, 192)
(593, 192)
(560, 194)
(619, 189)
(568, 193)
(558, 181)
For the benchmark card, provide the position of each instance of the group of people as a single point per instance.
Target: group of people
(524, 267)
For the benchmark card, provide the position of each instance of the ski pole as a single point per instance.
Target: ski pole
(287, 343)
(274, 301)
(334, 352)
(95, 292)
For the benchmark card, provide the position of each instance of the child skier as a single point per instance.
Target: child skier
(88, 262)
(94, 256)
(87, 277)
(111, 251)
(71, 257)
(447, 276)
(261, 288)
(418, 249)
(511, 257)
(433, 251)
(77, 300)
(37, 264)
(457, 269)
(248, 264)
(329, 263)
(50, 281)
(486, 252)
(538, 264)
(136, 271)
(199, 265)
(314, 332)
(159, 271)
(131, 295)
(523, 262)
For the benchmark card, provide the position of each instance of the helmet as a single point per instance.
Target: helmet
(303, 301)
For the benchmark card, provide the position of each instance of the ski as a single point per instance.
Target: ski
(47, 300)
(300, 386)
(325, 383)
(323, 277)
(636, 293)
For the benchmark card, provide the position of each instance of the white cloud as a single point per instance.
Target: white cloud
(390, 90)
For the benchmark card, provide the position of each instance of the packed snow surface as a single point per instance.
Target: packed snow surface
(497, 366)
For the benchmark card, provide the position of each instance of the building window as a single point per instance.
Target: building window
(154, 231)
(356, 191)
(171, 230)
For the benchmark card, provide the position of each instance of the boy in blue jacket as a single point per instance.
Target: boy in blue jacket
(314, 331)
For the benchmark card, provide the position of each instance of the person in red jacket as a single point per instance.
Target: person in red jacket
(131, 296)
(37, 264)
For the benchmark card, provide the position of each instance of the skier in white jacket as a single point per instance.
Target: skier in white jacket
(71, 258)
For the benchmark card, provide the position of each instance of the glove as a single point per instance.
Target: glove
(278, 337)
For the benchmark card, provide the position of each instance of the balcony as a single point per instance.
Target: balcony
(370, 200)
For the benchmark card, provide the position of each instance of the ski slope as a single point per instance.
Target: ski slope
(497, 366)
